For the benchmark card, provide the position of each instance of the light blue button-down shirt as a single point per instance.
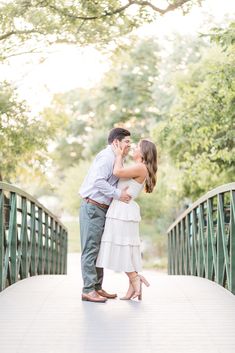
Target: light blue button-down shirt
(100, 183)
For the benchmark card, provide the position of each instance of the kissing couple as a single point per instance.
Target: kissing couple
(109, 217)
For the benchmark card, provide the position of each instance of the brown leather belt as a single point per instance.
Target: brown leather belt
(93, 202)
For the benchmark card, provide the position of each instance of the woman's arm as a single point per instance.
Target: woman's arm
(134, 171)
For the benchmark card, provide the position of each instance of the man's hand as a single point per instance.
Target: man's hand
(125, 197)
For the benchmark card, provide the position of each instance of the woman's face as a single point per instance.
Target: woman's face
(137, 152)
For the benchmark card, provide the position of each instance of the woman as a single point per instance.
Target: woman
(120, 243)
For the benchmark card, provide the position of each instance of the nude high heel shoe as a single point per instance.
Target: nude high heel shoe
(144, 280)
(129, 293)
(137, 284)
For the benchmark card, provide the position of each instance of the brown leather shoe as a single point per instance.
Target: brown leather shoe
(93, 297)
(104, 294)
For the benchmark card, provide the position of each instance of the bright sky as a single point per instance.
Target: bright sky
(69, 67)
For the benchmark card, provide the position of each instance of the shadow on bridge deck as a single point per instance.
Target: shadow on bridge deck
(182, 314)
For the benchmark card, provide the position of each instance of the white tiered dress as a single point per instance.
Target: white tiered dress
(120, 243)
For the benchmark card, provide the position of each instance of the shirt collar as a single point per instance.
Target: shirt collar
(110, 148)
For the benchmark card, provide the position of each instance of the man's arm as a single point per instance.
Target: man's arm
(103, 173)
(103, 168)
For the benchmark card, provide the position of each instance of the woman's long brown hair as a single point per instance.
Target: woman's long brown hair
(149, 155)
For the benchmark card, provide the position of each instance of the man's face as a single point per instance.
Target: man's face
(126, 144)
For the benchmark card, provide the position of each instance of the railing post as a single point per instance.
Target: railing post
(177, 250)
(51, 245)
(40, 243)
(47, 261)
(224, 241)
(170, 254)
(232, 242)
(65, 251)
(33, 240)
(174, 252)
(187, 232)
(56, 247)
(24, 239)
(2, 231)
(13, 239)
(220, 257)
(182, 245)
(194, 245)
(211, 254)
(201, 241)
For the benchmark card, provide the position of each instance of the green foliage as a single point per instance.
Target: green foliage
(225, 37)
(42, 23)
(127, 92)
(68, 126)
(22, 137)
(125, 97)
(200, 133)
(73, 236)
(67, 189)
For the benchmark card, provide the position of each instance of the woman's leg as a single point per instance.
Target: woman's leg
(136, 281)
(136, 284)
(130, 292)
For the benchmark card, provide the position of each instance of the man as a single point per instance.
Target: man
(98, 190)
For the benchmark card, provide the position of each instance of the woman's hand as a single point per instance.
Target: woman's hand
(117, 148)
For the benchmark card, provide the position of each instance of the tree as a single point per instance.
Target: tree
(79, 22)
(127, 92)
(224, 37)
(200, 133)
(124, 97)
(134, 93)
(23, 138)
(65, 115)
(67, 189)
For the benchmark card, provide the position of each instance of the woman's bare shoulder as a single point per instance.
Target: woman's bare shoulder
(142, 167)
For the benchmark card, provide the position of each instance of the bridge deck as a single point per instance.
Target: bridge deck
(178, 314)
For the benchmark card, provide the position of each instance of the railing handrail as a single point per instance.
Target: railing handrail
(208, 195)
(12, 188)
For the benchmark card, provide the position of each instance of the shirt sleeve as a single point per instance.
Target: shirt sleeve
(104, 170)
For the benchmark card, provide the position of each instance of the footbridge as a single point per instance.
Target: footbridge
(192, 309)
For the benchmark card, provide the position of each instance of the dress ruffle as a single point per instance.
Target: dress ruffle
(119, 257)
(121, 232)
(124, 211)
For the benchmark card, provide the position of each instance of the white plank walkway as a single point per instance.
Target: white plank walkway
(178, 314)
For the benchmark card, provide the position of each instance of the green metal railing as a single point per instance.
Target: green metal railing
(201, 242)
(32, 240)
